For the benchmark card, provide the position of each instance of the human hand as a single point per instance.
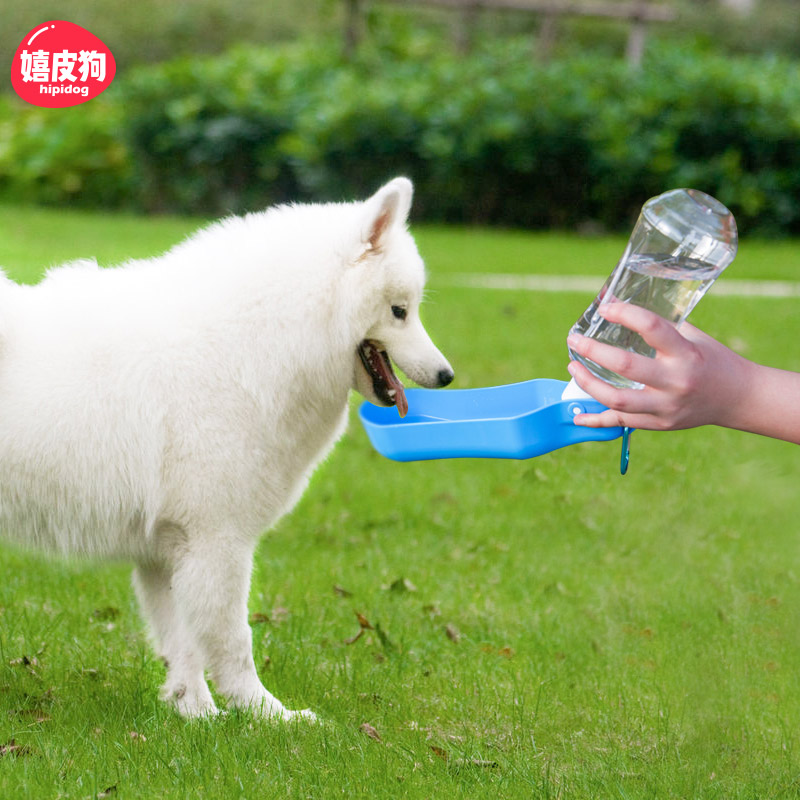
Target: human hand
(692, 380)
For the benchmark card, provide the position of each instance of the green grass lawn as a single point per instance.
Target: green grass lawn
(541, 629)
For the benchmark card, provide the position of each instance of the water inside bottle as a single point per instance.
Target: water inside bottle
(668, 285)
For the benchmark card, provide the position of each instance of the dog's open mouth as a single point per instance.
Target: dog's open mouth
(385, 383)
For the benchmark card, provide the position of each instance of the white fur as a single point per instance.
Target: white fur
(169, 410)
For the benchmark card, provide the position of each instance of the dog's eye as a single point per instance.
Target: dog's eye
(399, 312)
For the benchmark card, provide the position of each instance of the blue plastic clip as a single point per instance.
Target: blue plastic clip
(626, 451)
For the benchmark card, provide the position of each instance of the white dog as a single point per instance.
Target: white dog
(170, 410)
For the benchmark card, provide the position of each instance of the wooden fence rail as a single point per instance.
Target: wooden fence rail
(640, 13)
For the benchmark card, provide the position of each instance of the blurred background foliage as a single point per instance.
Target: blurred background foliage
(223, 107)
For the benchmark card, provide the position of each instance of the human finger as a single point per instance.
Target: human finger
(633, 366)
(615, 419)
(623, 401)
(605, 419)
(658, 332)
(695, 335)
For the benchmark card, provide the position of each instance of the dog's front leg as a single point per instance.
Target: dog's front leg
(211, 583)
(185, 687)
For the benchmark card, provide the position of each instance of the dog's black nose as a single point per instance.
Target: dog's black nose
(445, 376)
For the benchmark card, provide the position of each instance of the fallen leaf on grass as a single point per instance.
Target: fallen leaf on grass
(259, 618)
(402, 585)
(24, 661)
(354, 639)
(11, 748)
(363, 625)
(505, 652)
(29, 662)
(370, 731)
(441, 752)
(34, 714)
(341, 591)
(453, 633)
(364, 622)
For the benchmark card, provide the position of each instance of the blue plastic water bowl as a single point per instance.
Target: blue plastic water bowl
(519, 420)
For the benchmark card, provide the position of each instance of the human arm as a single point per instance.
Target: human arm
(692, 380)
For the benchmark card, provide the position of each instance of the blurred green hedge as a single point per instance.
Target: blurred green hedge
(495, 138)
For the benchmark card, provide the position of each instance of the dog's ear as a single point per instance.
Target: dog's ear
(386, 209)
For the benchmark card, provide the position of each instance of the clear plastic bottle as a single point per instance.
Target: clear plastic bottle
(682, 241)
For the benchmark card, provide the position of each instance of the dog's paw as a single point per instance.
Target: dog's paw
(201, 710)
(264, 705)
(281, 714)
(305, 714)
(190, 704)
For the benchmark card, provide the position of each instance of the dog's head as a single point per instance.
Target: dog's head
(390, 266)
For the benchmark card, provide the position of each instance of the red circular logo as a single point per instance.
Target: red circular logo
(60, 64)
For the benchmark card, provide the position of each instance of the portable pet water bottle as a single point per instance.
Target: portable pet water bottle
(682, 241)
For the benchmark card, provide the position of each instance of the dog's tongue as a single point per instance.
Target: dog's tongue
(377, 363)
(387, 373)
(402, 401)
